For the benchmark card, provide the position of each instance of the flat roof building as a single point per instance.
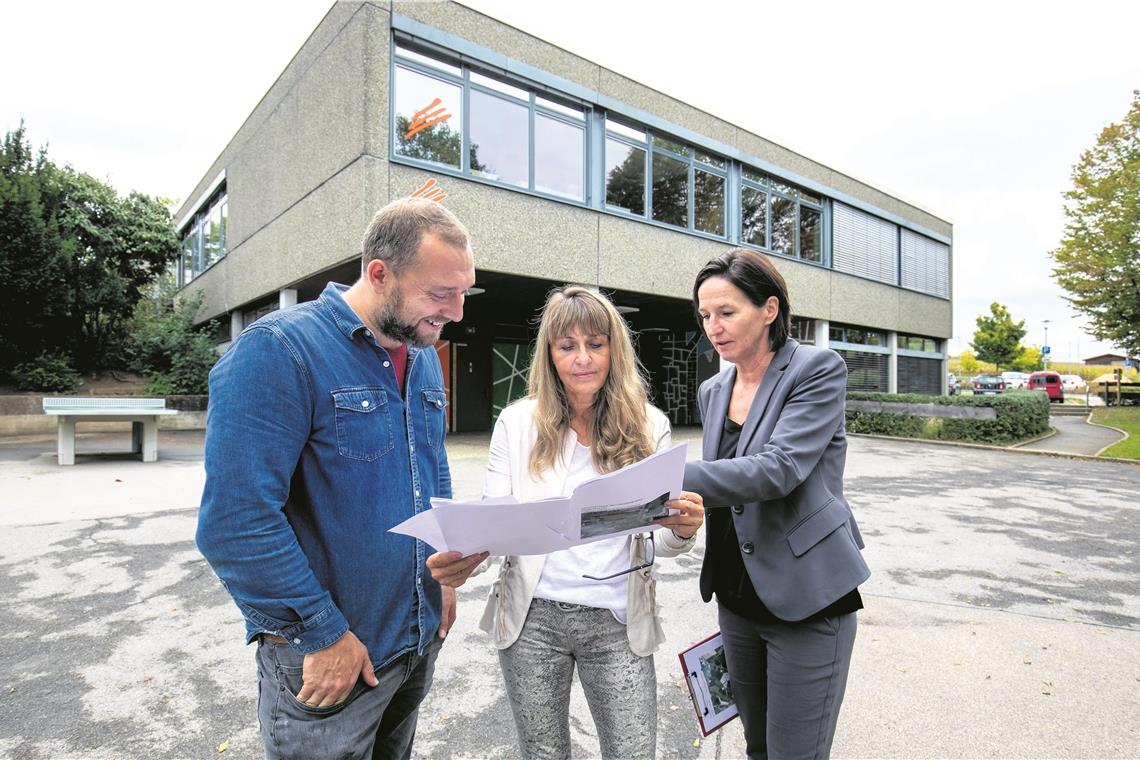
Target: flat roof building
(563, 171)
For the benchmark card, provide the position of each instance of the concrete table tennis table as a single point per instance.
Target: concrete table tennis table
(142, 413)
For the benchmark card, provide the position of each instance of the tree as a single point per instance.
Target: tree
(164, 344)
(969, 362)
(437, 143)
(1029, 360)
(33, 268)
(1098, 259)
(998, 338)
(74, 259)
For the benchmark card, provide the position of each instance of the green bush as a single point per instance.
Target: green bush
(1020, 415)
(51, 372)
(165, 345)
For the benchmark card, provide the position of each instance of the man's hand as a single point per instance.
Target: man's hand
(452, 568)
(447, 619)
(692, 516)
(329, 674)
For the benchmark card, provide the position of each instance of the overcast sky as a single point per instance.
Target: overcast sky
(976, 111)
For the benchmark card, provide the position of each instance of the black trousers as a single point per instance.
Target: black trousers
(788, 680)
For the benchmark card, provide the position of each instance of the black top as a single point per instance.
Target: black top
(730, 581)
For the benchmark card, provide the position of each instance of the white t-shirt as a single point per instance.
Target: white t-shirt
(562, 580)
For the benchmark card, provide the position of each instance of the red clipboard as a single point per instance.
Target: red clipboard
(706, 673)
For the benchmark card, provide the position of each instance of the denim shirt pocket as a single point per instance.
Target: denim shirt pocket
(363, 423)
(435, 415)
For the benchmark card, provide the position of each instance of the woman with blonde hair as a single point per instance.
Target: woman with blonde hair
(592, 606)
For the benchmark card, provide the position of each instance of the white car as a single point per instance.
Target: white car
(1015, 380)
(1072, 382)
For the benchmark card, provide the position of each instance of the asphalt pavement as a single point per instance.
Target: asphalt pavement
(1002, 618)
(1075, 435)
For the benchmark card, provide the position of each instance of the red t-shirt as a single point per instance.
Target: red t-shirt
(399, 363)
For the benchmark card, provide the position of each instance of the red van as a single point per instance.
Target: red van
(1050, 382)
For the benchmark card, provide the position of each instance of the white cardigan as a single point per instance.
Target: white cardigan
(508, 472)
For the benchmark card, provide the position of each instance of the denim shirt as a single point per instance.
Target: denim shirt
(312, 454)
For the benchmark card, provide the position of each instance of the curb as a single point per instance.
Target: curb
(984, 447)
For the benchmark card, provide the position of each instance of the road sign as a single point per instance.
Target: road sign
(1045, 350)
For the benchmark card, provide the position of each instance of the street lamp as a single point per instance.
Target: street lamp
(1045, 350)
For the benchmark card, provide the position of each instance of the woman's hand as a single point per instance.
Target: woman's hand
(691, 517)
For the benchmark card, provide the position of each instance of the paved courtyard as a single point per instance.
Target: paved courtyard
(1002, 619)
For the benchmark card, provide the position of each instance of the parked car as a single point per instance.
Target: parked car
(951, 383)
(1071, 383)
(1015, 380)
(1050, 382)
(989, 385)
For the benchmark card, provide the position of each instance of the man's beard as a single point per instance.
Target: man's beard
(390, 323)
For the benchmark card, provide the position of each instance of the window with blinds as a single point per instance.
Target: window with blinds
(864, 245)
(920, 375)
(925, 264)
(866, 371)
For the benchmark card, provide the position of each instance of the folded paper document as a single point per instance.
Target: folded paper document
(617, 503)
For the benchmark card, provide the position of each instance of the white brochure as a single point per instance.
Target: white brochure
(621, 502)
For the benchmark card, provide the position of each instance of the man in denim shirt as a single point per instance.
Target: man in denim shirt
(325, 428)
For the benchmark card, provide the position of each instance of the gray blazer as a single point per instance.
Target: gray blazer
(798, 538)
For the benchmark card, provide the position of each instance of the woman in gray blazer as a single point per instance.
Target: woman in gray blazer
(783, 554)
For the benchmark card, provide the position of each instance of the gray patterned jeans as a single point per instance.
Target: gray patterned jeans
(620, 686)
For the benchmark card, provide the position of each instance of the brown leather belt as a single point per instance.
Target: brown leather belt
(274, 639)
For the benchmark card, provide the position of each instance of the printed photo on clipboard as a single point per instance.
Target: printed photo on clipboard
(706, 673)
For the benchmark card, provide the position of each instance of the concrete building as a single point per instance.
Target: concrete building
(564, 171)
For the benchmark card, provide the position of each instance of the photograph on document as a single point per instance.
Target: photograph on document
(715, 670)
(603, 521)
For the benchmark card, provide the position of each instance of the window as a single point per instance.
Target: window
(558, 159)
(866, 371)
(917, 375)
(925, 264)
(513, 135)
(754, 216)
(803, 330)
(708, 214)
(783, 225)
(625, 176)
(864, 245)
(918, 343)
(429, 120)
(203, 238)
(867, 356)
(687, 186)
(500, 139)
(811, 233)
(670, 190)
(860, 336)
(780, 218)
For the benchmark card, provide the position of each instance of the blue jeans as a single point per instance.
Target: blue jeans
(373, 722)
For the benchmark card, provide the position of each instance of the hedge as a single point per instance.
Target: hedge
(1021, 415)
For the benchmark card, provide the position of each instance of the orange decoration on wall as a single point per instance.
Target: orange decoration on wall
(426, 117)
(430, 190)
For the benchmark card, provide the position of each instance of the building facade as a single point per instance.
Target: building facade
(563, 171)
